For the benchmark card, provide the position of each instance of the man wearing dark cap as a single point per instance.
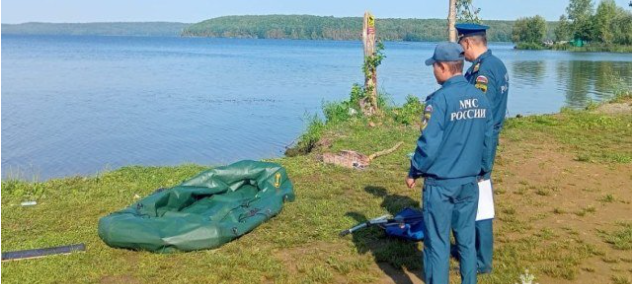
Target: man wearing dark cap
(488, 74)
(452, 151)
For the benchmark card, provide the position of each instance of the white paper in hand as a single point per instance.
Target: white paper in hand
(485, 201)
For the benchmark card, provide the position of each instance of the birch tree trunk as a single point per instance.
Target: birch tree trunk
(452, 21)
(370, 80)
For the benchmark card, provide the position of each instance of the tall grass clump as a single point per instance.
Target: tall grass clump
(529, 46)
(620, 239)
(341, 111)
(410, 112)
(309, 139)
(593, 47)
(622, 90)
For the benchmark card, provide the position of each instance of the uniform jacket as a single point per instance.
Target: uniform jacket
(489, 75)
(456, 138)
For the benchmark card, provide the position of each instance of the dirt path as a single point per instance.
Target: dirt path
(567, 205)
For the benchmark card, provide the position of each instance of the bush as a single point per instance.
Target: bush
(529, 30)
(410, 112)
(593, 47)
(385, 101)
(529, 46)
(357, 94)
(337, 111)
(622, 91)
(308, 140)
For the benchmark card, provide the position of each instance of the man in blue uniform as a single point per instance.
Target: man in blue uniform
(489, 75)
(453, 149)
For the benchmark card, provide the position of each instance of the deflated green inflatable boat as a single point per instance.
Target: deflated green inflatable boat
(204, 212)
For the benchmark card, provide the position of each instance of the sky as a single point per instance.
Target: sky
(191, 11)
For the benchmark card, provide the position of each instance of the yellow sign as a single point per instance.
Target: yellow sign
(371, 21)
(278, 180)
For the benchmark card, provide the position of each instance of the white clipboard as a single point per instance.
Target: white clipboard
(485, 201)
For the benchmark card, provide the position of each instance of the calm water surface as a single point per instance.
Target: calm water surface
(80, 105)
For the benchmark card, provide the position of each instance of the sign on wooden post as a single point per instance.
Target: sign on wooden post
(370, 79)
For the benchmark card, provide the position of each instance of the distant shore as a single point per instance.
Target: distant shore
(305, 27)
(567, 47)
(169, 29)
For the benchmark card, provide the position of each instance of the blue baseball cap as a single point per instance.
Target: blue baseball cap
(470, 29)
(446, 51)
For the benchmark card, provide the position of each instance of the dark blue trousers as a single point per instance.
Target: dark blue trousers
(484, 245)
(445, 209)
(484, 231)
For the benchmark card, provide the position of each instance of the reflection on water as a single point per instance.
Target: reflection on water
(528, 73)
(78, 105)
(585, 81)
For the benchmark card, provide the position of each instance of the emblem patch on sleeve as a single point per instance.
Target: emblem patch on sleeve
(426, 118)
(481, 79)
(482, 87)
(481, 83)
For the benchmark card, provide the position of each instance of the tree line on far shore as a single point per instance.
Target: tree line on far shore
(333, 28)
(608, 28)
(162, 29)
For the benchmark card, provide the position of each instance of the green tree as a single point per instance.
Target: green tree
(461, 10)
(622, 27)
(579, 9)
(466, 12)
(529, 30)
(606, 14)
(316, 27)
(580, 12)
(562, 29)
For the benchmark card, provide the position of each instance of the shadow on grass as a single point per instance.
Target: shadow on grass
(393, 256)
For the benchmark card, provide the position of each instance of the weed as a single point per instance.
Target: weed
(620, 239)
(527, 278)
(558, 211)
(410, 112)
(543, 192)
(621, 158)
(610, 259)
(581, 213)
(509, 211)
(583, 158)
(608, 198)
(308, 140)
(620, 279)
(592, 105)
(585, 210)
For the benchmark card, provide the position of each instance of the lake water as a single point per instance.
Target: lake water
(81, 105)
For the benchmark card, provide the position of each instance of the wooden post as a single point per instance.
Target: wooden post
(452, 21)
(370, 79)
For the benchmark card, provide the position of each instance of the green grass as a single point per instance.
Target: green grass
(341, 117)
(594, 47)
(620, 239)
(591, 136)
(608, 198)
(309, 139)
(530, 46)
(301, 244)
(620, 279)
